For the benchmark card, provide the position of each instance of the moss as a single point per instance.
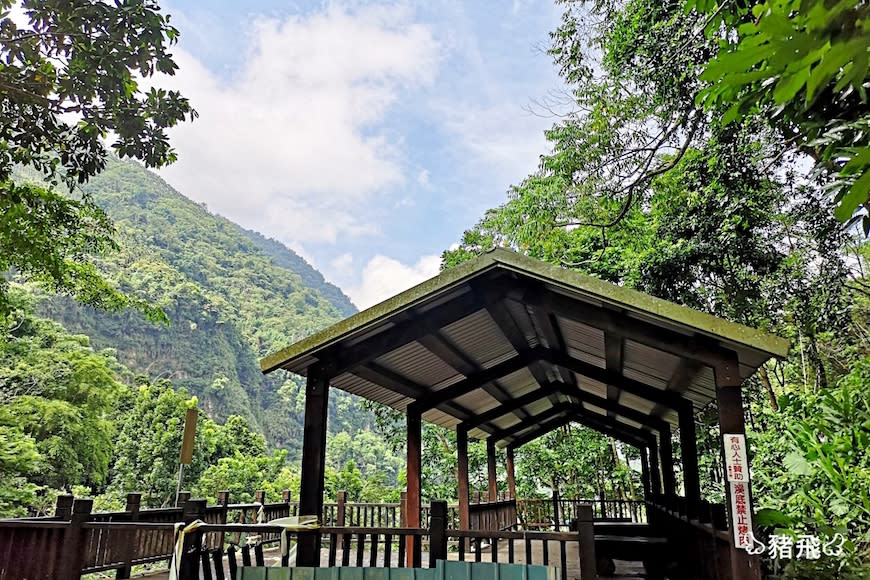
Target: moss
(574, 281)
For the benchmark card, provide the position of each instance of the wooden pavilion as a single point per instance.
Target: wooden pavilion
(507, 348)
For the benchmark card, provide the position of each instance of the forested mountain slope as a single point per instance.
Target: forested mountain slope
(231, 296)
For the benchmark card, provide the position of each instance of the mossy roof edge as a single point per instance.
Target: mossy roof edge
(425, 290)
(640, 302)
(608, 292)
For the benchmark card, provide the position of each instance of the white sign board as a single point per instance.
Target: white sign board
(742, 523)
(736, 465)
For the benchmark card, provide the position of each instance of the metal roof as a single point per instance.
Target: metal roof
(510, 339)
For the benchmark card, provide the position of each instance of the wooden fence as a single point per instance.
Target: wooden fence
(74, 539)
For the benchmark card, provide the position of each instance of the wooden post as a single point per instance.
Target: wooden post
(586, 540)
(414, 468)
(462, 475)
(667, 452)
(260, 496)
(134, 501)
(644, 473)
(511, 474)
(555, 510)
(689, 453)
(655, 475)
(63, 507)
(191, 553)
(730, 401)
(223, 500)
(183, 496)
(403, 509)
(492, 489)
(286, 496)
(437, 532)
(72, 551)
(313, 462)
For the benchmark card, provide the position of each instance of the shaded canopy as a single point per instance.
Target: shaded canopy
(507, 346)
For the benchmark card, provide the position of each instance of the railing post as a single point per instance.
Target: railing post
(340, 508)
(72, 554)
(286, 497)
(134, 501)
(556, 510)
(63, 507)
(437, 532)
(586, 540)
(183, 496)
(194, 509)
(260, 496)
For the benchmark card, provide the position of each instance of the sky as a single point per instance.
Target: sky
(366, 136)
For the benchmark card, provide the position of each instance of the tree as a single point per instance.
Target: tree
(804, 66)
(71, 78)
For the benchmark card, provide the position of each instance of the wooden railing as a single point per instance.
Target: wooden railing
(119, 540)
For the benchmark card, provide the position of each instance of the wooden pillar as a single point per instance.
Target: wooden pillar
(134, 502)
(511, 474)
(462, 475)
(689, 452)
(655, 479)
(586, 541)
(491, 471)
(72, 549)
(414, 467)
(667, 455)
(730, 401)
(313, 462)
(644, 473)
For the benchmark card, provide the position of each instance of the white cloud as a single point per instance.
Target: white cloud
(296, 134)
(384, 277)
(342, 264)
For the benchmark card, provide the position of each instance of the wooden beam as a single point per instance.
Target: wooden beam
(408, 330)
(379, 375)
(695, 347)
(313, 460)
(618, 409)
(631, 386)
(451, 355)
(680, 380)
(543, 392)
(413, 474)
(530, 423)
(462, 476)
(491, 472)
(550, 333)
(613, 362)
(476, 380)
(622, 432)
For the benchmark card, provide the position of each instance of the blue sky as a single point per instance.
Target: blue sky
(367, 136)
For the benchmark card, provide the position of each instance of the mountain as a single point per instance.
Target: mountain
(231, 295)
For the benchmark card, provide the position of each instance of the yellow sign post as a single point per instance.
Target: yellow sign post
(186, 446)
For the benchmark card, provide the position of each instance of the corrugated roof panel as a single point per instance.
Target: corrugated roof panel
(629, 422)
(582, 342)
(649, 360)
(506, 421)
(518, 382)
(477, 401)
(594, 408)
(591, 386)
(363, 388)
(636, 403)
(417, 363)
(521, 317)
(650, 380)
(539, 406)
(478, 336)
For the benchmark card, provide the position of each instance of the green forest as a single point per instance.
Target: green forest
(714, 154)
